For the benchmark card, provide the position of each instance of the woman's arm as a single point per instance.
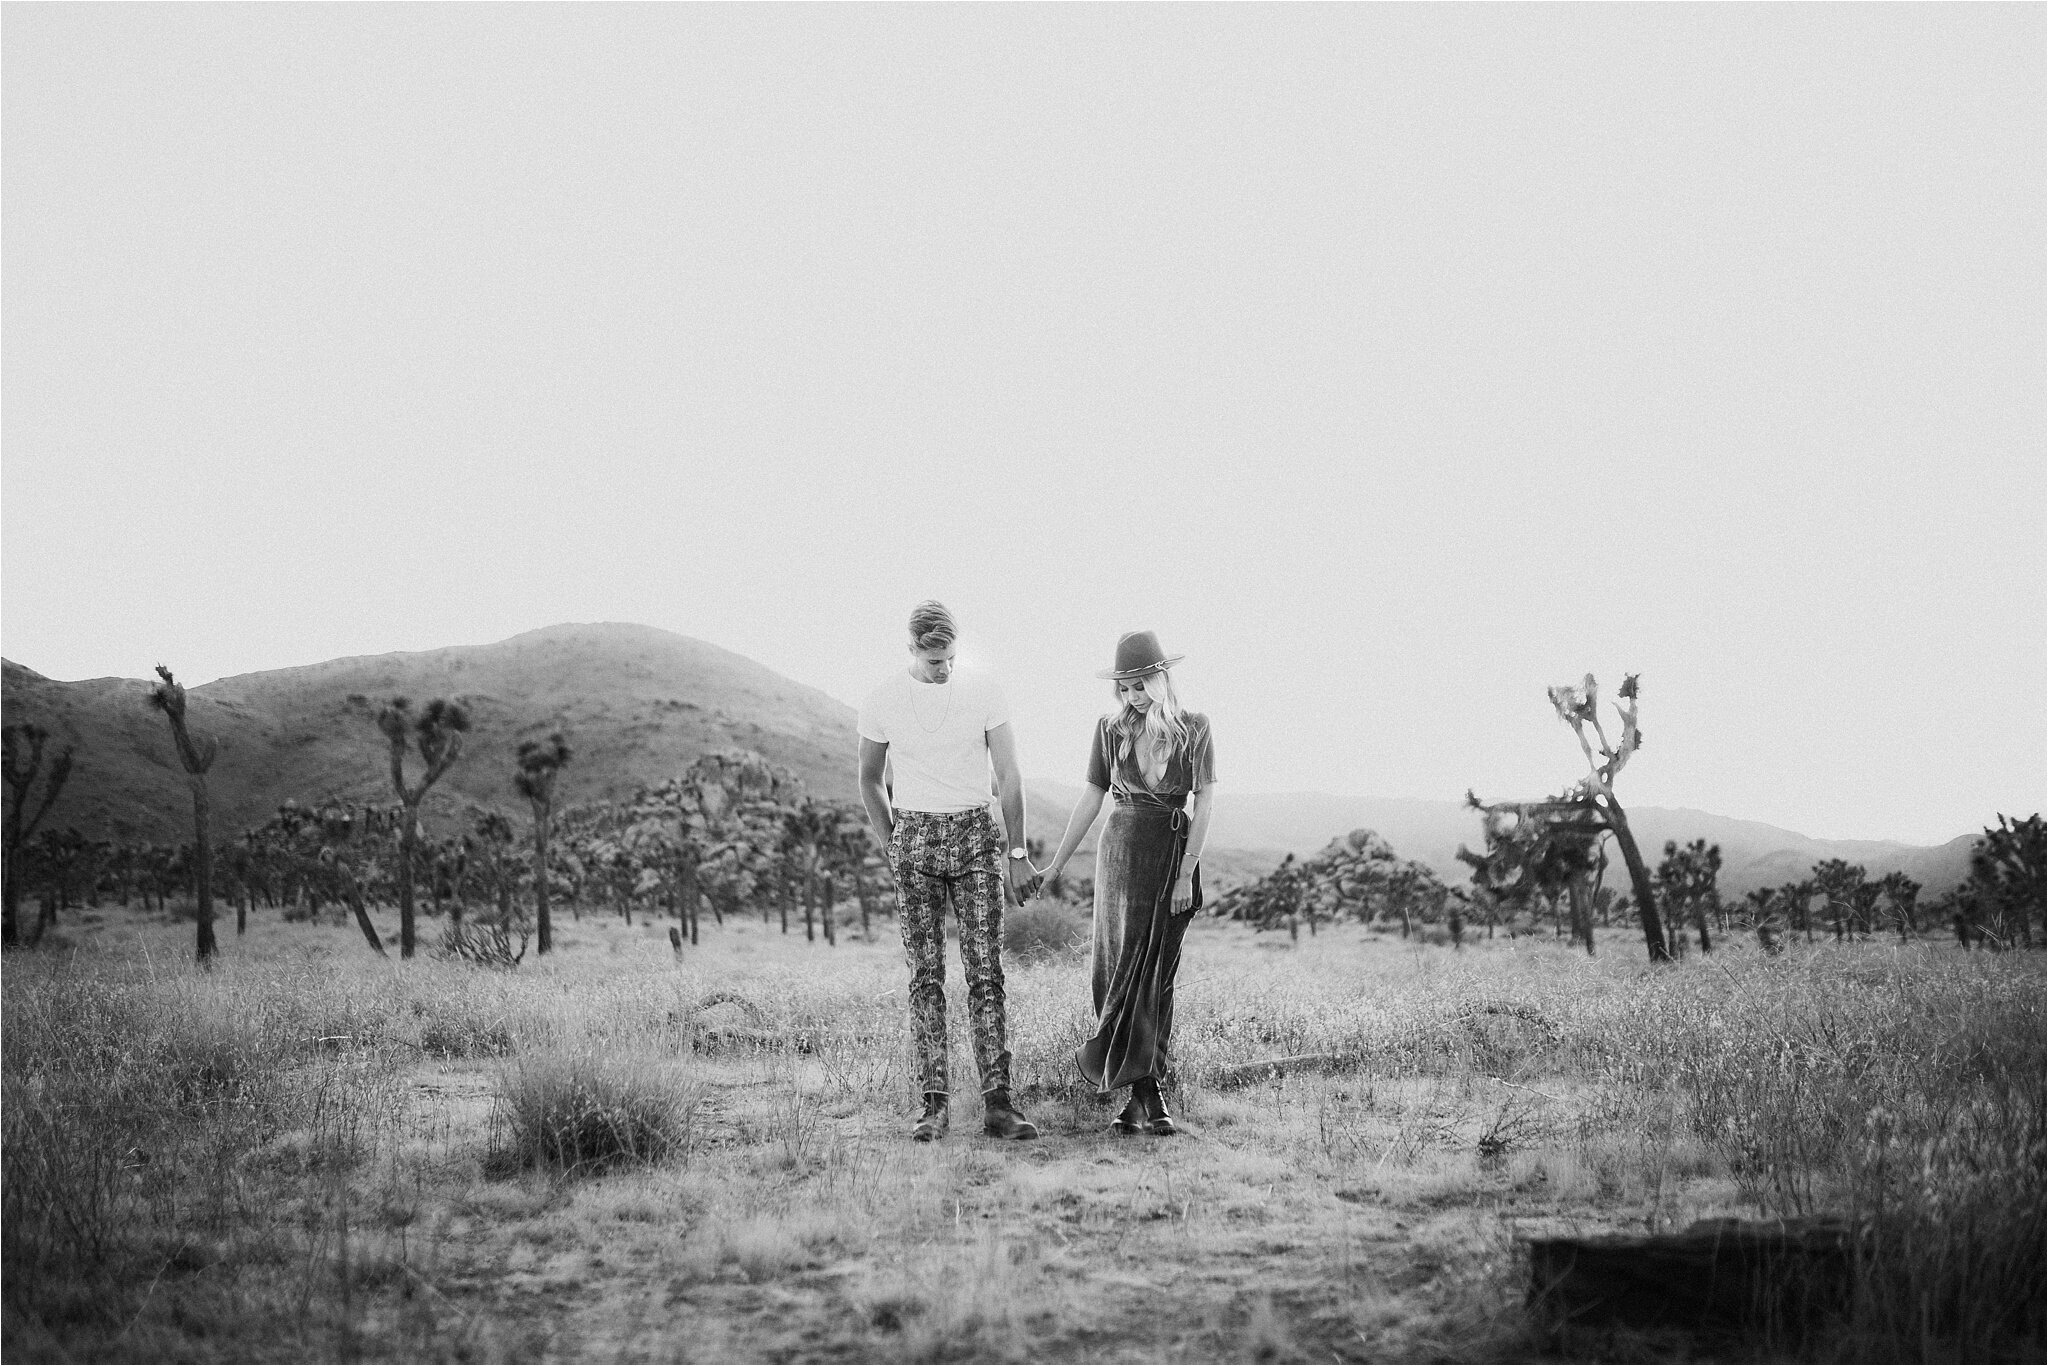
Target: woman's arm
(1200, 803)
(1085, 812)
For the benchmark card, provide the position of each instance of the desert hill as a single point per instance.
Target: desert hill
(637, 704)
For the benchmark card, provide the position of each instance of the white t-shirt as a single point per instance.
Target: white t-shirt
(937, 734)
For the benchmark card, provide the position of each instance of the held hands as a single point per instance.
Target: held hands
(1024, 880)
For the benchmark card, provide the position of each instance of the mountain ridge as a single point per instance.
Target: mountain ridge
(638, 703)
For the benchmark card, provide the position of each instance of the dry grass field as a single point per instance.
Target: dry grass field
(617, 1154)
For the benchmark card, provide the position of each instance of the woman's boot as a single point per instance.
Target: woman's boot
(1156, 1118)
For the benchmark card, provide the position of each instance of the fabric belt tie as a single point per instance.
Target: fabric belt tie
(1174, 806)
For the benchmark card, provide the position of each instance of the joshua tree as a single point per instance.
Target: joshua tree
(23, 750)
(1762, 902)
(489, 865)
(168, 697)
(1578, 707)
(66, 863)
(1548, 849)
(346, 860)
(846, 856)
(1903, 893)
(539, 762)
(2009, 873)
(1407, 886)
(1841, 882)
(1687, 876)
(438, 731)
(1278, 898)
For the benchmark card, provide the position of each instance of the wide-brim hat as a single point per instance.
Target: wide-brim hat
(1138, 654)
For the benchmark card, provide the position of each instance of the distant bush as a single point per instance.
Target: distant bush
(590, 1112)
(1045, 929)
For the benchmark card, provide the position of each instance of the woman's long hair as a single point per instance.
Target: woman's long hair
(1163, 723)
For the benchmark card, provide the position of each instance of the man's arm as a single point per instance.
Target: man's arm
(874, 758)
(1002, 753)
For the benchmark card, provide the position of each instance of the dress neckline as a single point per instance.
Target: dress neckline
(1134, 766)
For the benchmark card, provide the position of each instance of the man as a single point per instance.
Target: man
(936, 735)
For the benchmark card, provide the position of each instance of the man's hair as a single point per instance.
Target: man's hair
(931, 626)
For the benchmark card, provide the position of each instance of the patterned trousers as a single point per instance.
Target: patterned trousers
(934, 855)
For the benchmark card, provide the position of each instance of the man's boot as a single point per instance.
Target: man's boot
(1001, 1119)
(932, 1124)
(1145, 1091)
(1132, 1119)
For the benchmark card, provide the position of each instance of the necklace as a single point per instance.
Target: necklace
(943, 716)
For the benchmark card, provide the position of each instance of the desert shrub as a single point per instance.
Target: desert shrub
(464, 1035)
(490, 944)
(1045, 928)
(124, 1105)
(1904, 1090)
(1954, 1268)
(588, 1111)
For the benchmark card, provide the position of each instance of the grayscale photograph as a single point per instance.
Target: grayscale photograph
(1026, 682)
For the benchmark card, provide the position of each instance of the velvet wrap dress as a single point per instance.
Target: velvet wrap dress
(1137, 937)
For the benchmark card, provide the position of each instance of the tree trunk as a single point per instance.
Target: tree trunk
(1582, 917)
(1639, 879)
(860, 892)
(241, 913)
(355, 903)
(1699, 911)
(407, 934)
(542, 923)
(202, 863)
(831, 935)
(10, 918)
(810, 899)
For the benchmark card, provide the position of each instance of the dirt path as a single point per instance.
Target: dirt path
(801, 1229)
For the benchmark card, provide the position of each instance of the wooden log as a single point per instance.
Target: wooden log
(1775, 1279)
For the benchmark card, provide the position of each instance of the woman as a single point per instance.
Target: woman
(1158, 763)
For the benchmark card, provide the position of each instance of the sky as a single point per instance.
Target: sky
(1392, 363)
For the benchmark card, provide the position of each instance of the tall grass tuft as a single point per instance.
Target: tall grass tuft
(1915, 1102)
(585, 1111)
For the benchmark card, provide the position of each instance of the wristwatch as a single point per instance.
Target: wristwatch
(1017, 853)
